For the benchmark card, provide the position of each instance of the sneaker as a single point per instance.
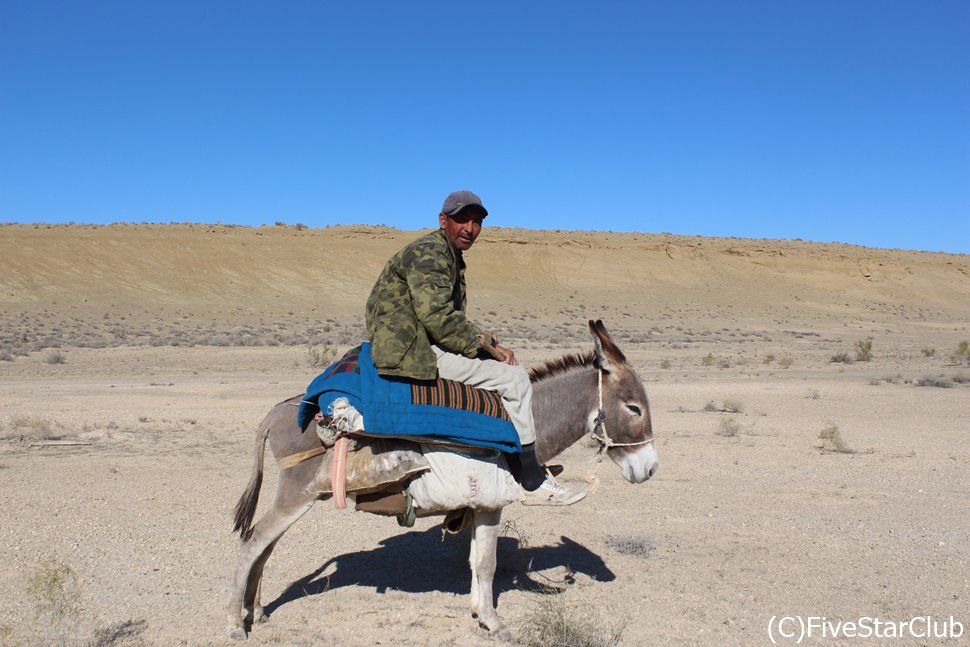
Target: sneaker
(552, 493)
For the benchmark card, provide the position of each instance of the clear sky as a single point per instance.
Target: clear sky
(825, 120)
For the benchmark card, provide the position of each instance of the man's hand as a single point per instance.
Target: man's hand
(490, 344)
(508, 357)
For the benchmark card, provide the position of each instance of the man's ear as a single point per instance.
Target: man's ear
(442, 218)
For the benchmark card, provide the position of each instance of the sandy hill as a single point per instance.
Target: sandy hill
(150, 275)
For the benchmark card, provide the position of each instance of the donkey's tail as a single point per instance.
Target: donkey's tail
(246, 507)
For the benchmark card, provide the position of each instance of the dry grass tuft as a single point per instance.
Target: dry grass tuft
(320, 356)
(553, 624)
(728, 426)
(55, 596)
(962, 354)
(939, 381)
(863, 350)
(630, 545)
(32, 428)
(832, 441)
(728, 406)
(841, 358)
(732, 406)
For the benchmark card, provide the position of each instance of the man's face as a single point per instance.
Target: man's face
(462, 228)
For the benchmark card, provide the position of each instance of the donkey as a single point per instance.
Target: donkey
(596, 393)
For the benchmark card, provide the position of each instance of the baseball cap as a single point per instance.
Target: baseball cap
(458, 200)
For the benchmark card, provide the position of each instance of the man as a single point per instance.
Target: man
(417, 327)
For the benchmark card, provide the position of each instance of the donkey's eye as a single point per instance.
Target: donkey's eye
(634, 409)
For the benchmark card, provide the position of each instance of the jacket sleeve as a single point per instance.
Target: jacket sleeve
(431, 283)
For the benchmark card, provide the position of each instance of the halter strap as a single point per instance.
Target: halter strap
(600, 422)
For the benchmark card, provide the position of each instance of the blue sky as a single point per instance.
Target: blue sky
(823, 120)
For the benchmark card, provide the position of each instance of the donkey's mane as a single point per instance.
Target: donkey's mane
(564, 364)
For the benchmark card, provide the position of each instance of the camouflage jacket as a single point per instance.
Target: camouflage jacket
(419, 300)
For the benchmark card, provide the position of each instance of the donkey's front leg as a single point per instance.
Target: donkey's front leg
(482, 559)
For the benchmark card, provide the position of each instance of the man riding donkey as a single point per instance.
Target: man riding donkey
(418, 330)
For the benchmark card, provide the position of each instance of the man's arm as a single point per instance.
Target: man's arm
(431, 285)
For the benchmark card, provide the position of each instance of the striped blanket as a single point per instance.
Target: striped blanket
(438, 410)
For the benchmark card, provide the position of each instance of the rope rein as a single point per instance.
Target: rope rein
(604, 440)
(600, 423)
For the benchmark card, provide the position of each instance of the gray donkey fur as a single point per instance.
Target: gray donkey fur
(565, 403)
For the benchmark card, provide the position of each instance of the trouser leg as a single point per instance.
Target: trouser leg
(510, 382)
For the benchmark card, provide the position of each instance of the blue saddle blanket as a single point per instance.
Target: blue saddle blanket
(438, 410)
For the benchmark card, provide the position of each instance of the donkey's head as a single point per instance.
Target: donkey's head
(623, 423)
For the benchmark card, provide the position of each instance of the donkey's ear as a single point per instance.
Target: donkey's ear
(608, 354)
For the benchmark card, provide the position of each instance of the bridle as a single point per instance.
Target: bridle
(599, 423)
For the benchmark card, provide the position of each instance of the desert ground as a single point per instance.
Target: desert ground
(798, 477)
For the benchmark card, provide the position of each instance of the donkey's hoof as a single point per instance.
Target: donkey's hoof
(497, 632)
(237, 633)
(502, 635)
(260, 616)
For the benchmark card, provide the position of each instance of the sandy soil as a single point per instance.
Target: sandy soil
(160, 348)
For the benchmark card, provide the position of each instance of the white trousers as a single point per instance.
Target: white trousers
(510, 382)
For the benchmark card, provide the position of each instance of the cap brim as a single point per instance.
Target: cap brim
(455, 212)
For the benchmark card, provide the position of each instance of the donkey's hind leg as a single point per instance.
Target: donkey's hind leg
(253, 606)
(482, 558)
(253, 553)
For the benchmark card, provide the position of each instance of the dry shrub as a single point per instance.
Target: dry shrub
(732, 406)
(832, 441)
(553, 624)
(938, 381)
(320, 356)
(55, 357)
(785, 362)
(31, 427)
(728, 426)
(55, 596)
(630, 545)
(962, 354)
(728, 406)
(863, 350)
